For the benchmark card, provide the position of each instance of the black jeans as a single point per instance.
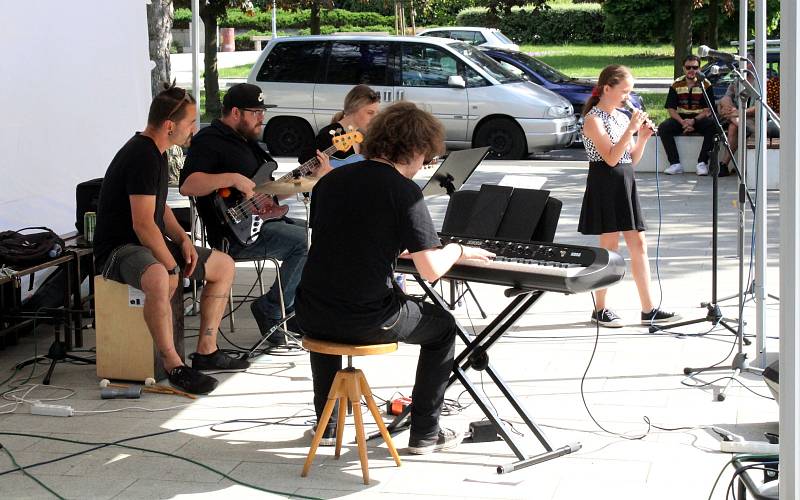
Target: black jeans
(418, 322)
(671, 127)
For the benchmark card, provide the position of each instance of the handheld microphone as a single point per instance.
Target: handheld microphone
(630, 108)
(705, 51)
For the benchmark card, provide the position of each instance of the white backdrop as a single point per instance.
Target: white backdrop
(74, 86)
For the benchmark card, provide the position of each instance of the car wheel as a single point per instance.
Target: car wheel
(504, 138)
(286, 136)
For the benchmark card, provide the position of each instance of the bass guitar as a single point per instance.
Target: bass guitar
(242, 217)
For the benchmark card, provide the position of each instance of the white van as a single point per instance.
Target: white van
(479, 102)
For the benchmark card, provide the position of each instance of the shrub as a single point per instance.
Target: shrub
(441, 12)
(562, 23)
(262, 20)
(639, 21)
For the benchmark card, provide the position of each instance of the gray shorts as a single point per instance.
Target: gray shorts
(128, 263)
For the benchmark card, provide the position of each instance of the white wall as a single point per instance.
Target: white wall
(74, 86)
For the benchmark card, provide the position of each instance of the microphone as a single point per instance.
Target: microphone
(705, 51)
(630, 108)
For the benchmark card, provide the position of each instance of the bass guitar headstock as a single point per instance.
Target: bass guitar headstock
(345, 140)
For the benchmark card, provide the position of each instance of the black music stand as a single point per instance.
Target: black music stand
(448, 178)
(454, 171)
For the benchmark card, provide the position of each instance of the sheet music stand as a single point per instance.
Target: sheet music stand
(448, 178)
(454, 171)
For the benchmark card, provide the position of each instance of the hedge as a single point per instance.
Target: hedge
(562, 23)
(262, 21)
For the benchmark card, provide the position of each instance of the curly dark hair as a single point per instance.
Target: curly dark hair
(169, 104)
(401, 131)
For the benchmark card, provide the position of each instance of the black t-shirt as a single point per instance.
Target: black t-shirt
(218, 149)
(323, 141)
(138, 168)
(362, 216)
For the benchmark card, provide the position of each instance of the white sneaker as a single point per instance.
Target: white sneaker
(702, 168)
(675, 168)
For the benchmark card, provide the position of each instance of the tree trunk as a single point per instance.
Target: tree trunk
(159, 31)
(315, 21)
(682, 33)
(713, 23)
(211, 77)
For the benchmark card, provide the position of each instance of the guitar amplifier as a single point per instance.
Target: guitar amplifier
(86, 195)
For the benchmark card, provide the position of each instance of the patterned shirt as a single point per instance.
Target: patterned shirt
(687, 101)
(615, 125)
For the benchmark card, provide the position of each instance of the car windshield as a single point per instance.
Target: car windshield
(544, 70)
(485, 62)
(503, 38)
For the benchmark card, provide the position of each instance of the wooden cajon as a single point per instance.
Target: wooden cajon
(125, 349)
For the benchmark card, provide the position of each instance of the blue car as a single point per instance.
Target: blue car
(575, 90)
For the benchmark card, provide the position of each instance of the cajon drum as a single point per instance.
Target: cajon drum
(125, 349)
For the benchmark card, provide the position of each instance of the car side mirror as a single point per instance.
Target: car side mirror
(456, 81)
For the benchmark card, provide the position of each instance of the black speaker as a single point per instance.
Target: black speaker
(525, 209)
(488, 211)
(458, 211)
(548, 223)
(772, 378)
(86, 195)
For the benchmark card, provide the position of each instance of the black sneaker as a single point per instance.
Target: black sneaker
(658, 316)
(328, 437)
(191, 380)
(723, 170)
(217, 360)
(445, 440)
(607, 319)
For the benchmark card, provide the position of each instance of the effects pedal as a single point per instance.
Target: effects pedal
(397, 405)
(483, 431)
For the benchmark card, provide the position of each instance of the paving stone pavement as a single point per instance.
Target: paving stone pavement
(252, 431)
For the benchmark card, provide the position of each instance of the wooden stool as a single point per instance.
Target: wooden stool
(348, 386)
(125, 348)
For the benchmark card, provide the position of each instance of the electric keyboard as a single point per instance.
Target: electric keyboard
(553, 267)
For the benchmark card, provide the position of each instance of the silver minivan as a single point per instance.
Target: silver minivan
(479, 102)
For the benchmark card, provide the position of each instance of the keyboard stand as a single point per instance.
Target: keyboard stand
(475, 355)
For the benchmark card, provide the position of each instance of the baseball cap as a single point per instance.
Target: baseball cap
(245, 95)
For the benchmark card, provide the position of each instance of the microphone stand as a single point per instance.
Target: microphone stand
(714, 315)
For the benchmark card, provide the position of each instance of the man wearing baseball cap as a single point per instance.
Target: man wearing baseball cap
(226, 154)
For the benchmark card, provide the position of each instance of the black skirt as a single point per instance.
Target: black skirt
(610, 203)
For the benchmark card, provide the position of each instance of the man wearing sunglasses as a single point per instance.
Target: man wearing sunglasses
(226, 154)
(689, 113)
(139, 242)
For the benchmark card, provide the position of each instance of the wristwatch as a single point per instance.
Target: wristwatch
(174, 270)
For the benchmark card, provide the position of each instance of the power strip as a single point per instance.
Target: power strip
(51, 410)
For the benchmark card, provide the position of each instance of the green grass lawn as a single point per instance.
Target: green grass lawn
(236, 71)
(654, 104)
(575, 60)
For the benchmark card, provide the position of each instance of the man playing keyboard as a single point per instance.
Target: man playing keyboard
(363, 216)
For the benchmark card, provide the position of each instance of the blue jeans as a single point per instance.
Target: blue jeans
(284, 240)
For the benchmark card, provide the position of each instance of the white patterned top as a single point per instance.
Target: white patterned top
(615, 125)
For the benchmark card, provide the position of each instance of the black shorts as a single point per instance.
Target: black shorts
(127, 263)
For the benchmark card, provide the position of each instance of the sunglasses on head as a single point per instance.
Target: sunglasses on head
(181, 99)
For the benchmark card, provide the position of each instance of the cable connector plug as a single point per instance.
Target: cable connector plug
(38, 408)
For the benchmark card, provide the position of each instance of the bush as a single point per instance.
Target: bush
(441, 12)
(638, 21)
(562, 23)
(262, 20)
(327, 29)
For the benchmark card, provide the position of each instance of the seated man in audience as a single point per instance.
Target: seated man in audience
(687, 103)
(363, 215)
(139, 242)
(728, 107)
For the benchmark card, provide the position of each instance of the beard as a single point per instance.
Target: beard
(253, 132)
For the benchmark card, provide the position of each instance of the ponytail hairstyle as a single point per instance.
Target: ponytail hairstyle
(358, 97)
(169, 104)
(611, 75)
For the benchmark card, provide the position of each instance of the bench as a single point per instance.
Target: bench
(689, 149)
(257, 39)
